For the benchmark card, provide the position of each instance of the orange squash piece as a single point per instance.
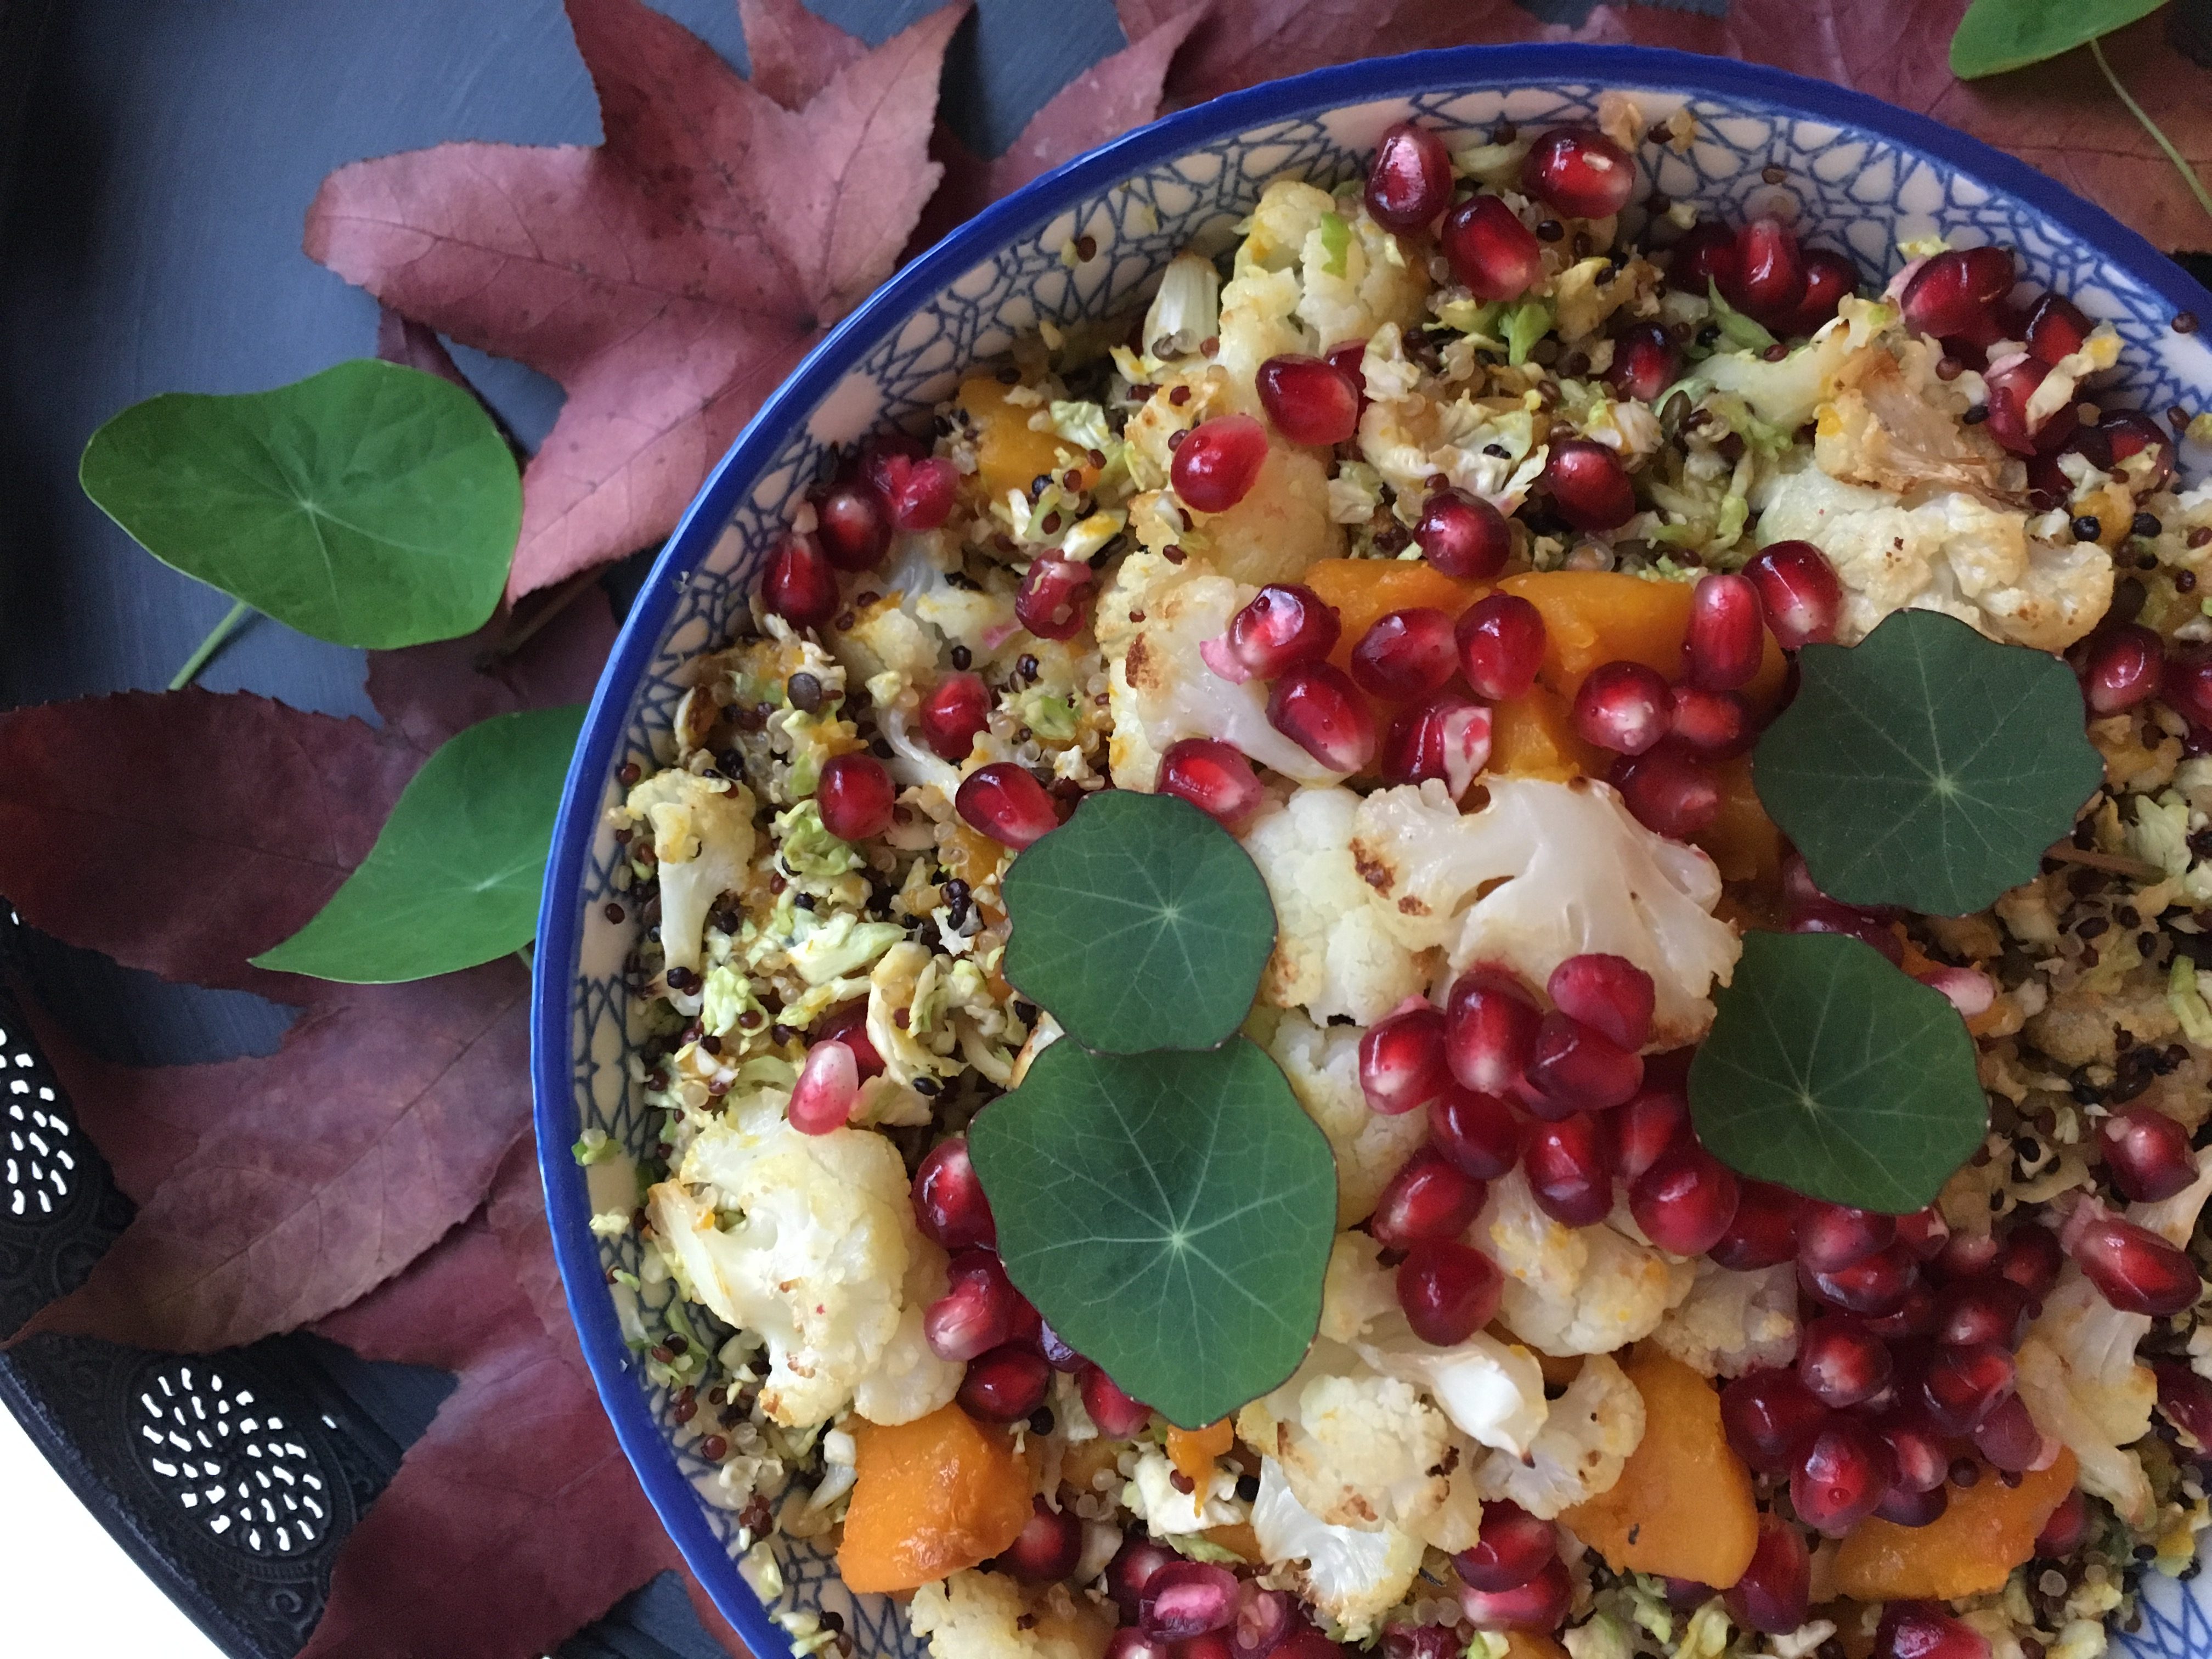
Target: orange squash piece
(1683, 1506)
(1193, 1451)
(1743, 840)
(1989, 1529)
(1533, 736)
(930, 1498)
(1363, 590)
(1238, 1538)
(1595, 616)
(1009, 452)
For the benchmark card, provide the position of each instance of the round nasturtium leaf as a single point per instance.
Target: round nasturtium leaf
(1996, 35)
(371, 505)
(1926, 766)
(1833, 1073)
(454, 877)
(1141, 923)
(1170, 1214)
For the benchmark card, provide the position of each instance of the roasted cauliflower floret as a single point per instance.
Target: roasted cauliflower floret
(1732, 1323)
(1588, 1435)
(1323, 1064)
(1573, 1290)
(1334, 953)
(702, 839)
(2083, 1387)
(1351, 1576)
(976, 1615)
(1891, 422)
(1359, 1449)
(908, 1381)
(1545, 871)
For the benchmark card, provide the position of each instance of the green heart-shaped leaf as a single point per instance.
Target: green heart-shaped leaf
(1141, 923)
(1926, 766)
(1170, 1214)
(370, 505)
(1996, 35)
(1830, 1071)
(454, 877)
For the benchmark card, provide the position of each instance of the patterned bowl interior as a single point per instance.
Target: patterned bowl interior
(1850, 170)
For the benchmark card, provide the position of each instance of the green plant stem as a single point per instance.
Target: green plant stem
(2196, 184)
(206, 648)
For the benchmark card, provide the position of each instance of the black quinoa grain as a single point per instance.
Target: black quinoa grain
(2088, 526)
(805, 690)
(2145, 525)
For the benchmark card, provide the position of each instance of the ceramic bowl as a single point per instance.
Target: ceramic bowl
(1855, 172)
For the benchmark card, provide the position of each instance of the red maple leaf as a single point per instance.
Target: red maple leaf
(669, 277)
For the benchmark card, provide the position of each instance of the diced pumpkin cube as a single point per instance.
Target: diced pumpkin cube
(1683, 1506)
(930, 1498)
(1742, 841)
(1363, 591)
(1988, 1529)
(1533, 736)
(1010, 453)
(1087, 1459)
(1596, 616)
(1193, 1451)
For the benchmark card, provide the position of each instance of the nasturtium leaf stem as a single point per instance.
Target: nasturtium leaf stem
(2196, 184)
(204, 651)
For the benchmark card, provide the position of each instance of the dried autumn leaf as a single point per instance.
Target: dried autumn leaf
(667, 277)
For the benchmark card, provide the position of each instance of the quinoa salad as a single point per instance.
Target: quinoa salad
(1467, 559)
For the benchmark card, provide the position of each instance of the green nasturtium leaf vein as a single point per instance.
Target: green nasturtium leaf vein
(1141, 923)
(369, 505)
(1926, 767)
(1830, 1072)
(454, 877)
(1996, 35)
(1170, 1214)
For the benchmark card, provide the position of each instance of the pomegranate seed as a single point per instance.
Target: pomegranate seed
(1566, 1165)
(1446, 737)
(1715, 723)
(1652, 1124)
(1463, 535)
(1410, 180)
(1832, 1236)
(1768, 281)
(1265, 1619)
(1007, 802)
(854, 527)
(1914, 1317)
(1764, 1232)
(1966, 1255)
(977, 1312)
(1574, 1067)
(1401, 1061)
(2124, 667)
(1800, 591)
(1770, 1419)
(1609, 992)
(1448, 1290)
(1055, 1348)
(1842, 1476)
(799, 586)
(1214, 468)
(1309, 400)
(1540, 1604)
(1727, 630)
(1988, 1308)
(886, 458)
(1282, 627)
(1421, 1642)
(956, 712)
(1924, 1232)
(1956, 290)
(1671, 791)
(2063, 1532)
(1477, 1132)
(1921, 1630)
(1904, 1508)
(2055, 328)
(1490, 250)
(1589, 486)
(1920, 1455)
(1132, 1569)
(1490, 1030)
(2188, 686)
(1774, 1593)
(1624, 707)
(1118, 1416)
(1686, 1201)
(1501, 645)
(1214, 777)
(1428, 1198)
(2010, 387)
(1644, 363)
(1875, 1287)
(1350, 357)
(1840, 1363)
(1316, 707)
(1823, 917)
(1963, 1385)
(1580, 171)
(2129, 432)
(1183, 1599)
(1307, 1643)
(1685, 1594)
(1405, 655)
(2009, 1438)
(1050, 603)
(1829, 278)
(849, 1025)
(2186, 1400)
(949, 1205)
(1511, 1547)
(922, 497)
(1704, 259)
(2030, 1259)
(2148, 1152)
(1130, 1642)
(2132, 1267)
(855, 796)
(822, 1099)
(1048, 1546)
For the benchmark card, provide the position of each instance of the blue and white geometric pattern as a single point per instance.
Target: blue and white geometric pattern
(1852, 172)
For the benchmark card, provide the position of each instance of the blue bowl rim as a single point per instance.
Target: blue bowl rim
(560, 921)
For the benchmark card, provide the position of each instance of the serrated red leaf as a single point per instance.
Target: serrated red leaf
(791, 52)
(667, 277)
